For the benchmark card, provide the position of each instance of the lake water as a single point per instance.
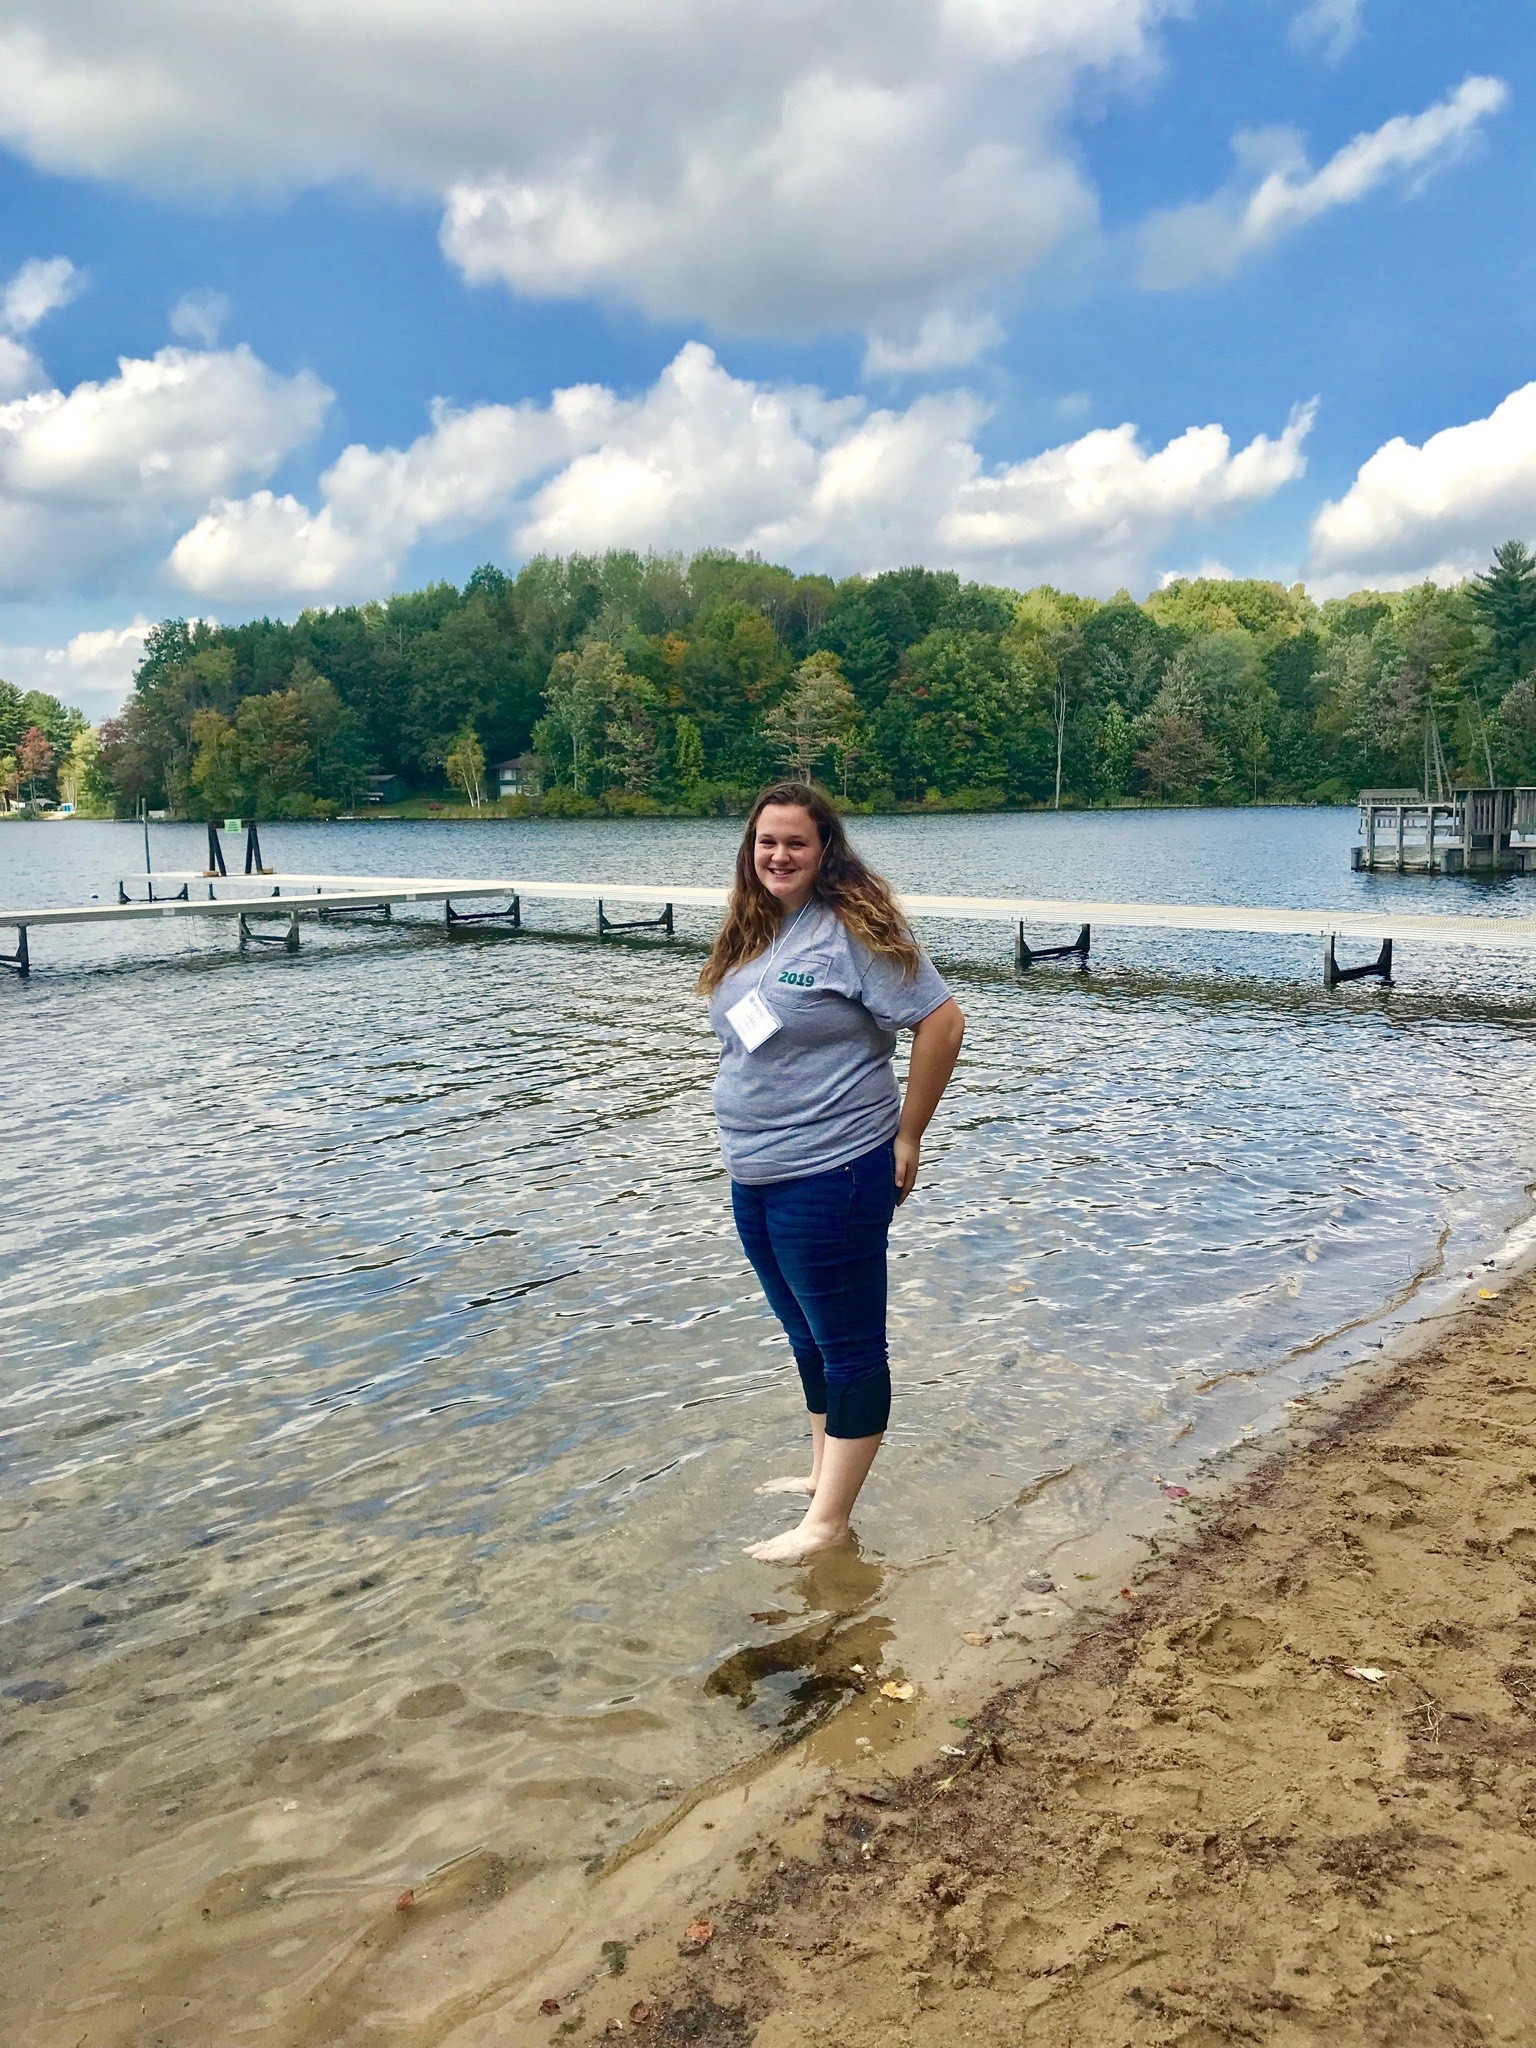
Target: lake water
(383, 1388)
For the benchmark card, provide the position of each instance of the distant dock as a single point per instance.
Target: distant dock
(1470, 832)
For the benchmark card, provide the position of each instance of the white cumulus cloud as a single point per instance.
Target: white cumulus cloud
(199, 316)
(1435, 511)
(39, 288)
(1331, 27)
(1276, 190)
(93, 670)
(92, 476)
(20, 370)
(703, 458)
(774, 164)
(944, 340)
(461, 475)
(29, 295)
(1105, 500)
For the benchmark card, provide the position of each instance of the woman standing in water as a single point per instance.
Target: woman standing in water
(811, 976)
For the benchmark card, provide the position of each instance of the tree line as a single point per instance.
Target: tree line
(636, 685)
(47, 749)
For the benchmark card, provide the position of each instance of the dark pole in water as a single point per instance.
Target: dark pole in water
(144, 820)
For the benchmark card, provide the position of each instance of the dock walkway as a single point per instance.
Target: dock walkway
(257, 898)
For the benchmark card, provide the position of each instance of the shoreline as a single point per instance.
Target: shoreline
(1079, 1861)
(419, 811)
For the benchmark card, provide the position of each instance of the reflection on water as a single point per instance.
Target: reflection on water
(791, 1681)
(383, 1390)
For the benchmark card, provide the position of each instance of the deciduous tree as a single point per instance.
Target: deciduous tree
(816, 713)
(217, 772)
(465, 765)
(580, 694)
(34, 758)
(77, 768)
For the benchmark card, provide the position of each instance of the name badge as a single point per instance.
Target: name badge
(752, 1021)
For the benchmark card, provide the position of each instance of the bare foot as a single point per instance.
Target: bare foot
(790, 1483)
(808, 1540)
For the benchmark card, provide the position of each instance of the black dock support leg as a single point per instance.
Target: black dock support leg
(359, 913)
(253, 864)
(606, 924)
(288, 940)
(19, 962)
(1333, 973)
(1025, 955)
(511, 917)
(215, 865)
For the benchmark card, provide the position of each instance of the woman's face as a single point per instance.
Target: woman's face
(786, 852)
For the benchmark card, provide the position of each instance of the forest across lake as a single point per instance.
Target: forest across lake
(632, 685)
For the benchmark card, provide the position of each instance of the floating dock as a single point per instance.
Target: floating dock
(255, 901)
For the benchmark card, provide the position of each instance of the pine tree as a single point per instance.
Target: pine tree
(1504, 601)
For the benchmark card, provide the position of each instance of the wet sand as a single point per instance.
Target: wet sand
(1281, 1790)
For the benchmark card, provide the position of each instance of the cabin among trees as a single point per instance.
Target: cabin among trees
(631, 685)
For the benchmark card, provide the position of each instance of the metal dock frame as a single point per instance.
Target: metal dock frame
(358, 913)
(1333, 973)
(288, 940)
(176, 896)
(511, 917)
(1025, 955)
(606, 924)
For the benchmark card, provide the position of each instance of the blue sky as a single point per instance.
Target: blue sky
(1091, 294)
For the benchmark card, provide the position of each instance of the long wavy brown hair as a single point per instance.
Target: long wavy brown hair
(861, 899)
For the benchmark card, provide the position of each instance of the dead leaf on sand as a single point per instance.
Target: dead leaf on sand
(699, 1934)
(404, 1903)
(548, 2007)
(640, 2013)
(976, 1637)
(1371, 1673)
(898, 1689)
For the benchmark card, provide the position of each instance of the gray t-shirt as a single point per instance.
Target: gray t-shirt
(822, 1090)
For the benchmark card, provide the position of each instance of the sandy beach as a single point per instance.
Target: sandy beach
(1282, 1791)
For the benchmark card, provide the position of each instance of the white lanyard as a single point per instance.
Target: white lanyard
(753, 1022)
(779, 937)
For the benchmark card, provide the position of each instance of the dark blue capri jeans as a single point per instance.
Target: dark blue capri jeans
(818, 1246)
